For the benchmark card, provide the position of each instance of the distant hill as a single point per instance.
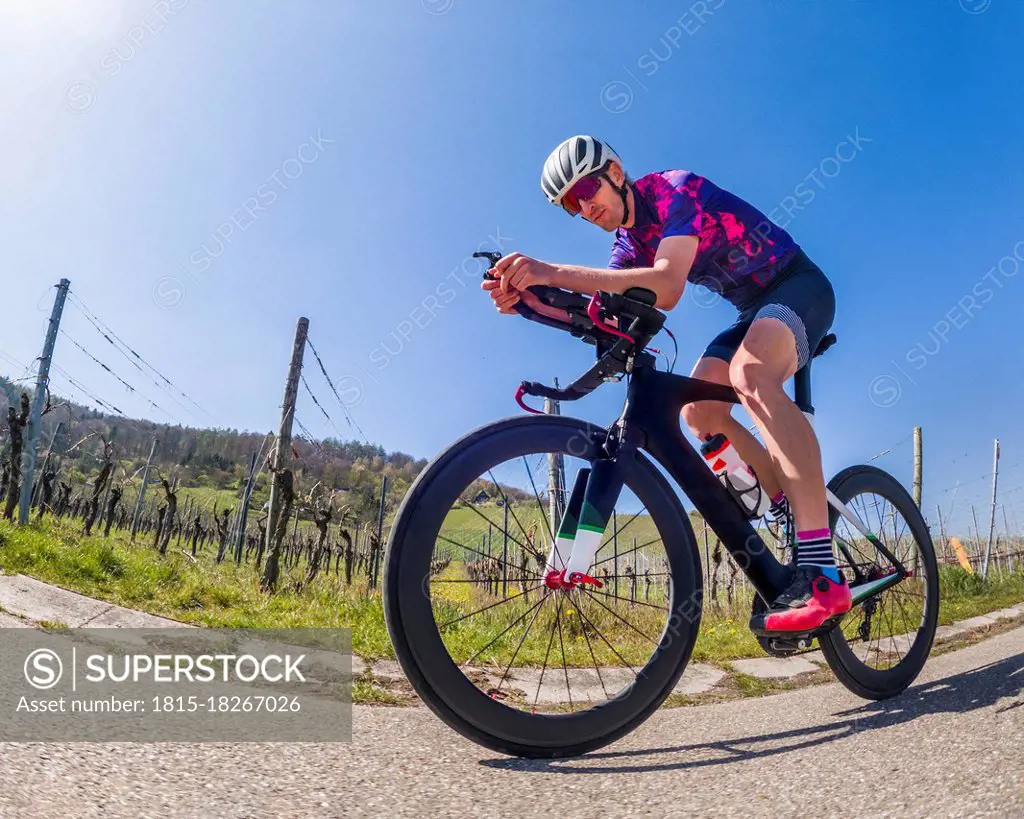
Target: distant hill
(213, 458)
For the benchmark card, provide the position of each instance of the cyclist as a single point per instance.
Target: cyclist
(675, 226)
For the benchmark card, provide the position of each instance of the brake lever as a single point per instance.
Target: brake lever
(492, 256)
(594, 313)
(540, 291)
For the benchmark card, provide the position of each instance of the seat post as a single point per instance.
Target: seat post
(802, 389)
(802, 379)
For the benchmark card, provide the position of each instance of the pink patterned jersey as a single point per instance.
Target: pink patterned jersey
(740, 250)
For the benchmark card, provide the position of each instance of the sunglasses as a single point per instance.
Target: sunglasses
(584, 190)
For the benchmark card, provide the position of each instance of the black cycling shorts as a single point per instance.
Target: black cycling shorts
(802, 299)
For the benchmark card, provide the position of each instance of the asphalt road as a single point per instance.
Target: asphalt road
(951, 746)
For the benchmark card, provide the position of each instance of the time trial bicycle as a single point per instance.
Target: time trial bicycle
(543, 587)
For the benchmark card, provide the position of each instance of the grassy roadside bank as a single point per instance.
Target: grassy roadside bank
(205, 594)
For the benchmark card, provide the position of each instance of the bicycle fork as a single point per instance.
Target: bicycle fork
(581, 529)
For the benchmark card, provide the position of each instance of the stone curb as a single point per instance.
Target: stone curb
(36, 601)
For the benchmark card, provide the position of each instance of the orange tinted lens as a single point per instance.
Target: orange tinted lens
(571, 204)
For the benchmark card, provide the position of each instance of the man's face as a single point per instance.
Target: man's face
(605, 208)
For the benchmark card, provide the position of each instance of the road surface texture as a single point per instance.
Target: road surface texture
(951, 746)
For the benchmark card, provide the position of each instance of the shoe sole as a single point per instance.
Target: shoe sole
(824, 628)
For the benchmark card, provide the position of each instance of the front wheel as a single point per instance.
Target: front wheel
(507, 662)
(882, 643)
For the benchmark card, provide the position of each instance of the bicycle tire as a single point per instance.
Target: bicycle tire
(858, 676)
(419, 647)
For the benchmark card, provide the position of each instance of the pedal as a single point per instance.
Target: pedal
(783, 647)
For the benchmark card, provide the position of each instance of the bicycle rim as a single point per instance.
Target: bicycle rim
(502, 658)
(882, 643)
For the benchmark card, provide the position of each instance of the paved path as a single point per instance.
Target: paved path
(953, 745)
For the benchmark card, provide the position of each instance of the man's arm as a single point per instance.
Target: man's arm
(666, 278)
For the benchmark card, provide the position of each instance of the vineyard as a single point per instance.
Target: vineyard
(222, 527)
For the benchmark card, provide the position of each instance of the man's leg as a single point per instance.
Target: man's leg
(765, 360)
(713, 417)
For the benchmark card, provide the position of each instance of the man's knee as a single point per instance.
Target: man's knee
(750, 377)
(703, 417)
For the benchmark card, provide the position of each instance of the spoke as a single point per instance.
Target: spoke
(841, 545)
(881, 521)
(907, 593)
(863, 514)
(892, 636)
(508, 506)
(504, 675)
(590, 648)
(468, 505)
(878, 629)
(540, 507)
(493, 605)
(906, 619)
(482, 582)
(627, 600)
(565, 668)
(619, 617)
(511, 626)
(899, 539)
(484, 554)
(620, 531)
(623, 554)
(867, 639)
(616, 531)
(610, 646)
(540, 681)
(536, 575)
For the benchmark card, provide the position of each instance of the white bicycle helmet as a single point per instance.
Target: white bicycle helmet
(575, 158)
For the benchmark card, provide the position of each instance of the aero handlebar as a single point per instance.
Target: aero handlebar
(638, 321)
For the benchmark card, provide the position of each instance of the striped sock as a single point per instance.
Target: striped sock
(814, 548)
(779, 509)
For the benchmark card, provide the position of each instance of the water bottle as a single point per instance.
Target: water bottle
(738, 478)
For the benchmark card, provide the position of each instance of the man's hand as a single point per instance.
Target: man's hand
(518, 272)
(513, 274)
(506, 301)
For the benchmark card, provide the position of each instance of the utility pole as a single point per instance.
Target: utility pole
(992, 514)
(142, 491)
(281, 490)
(918, 465)
(42, 381)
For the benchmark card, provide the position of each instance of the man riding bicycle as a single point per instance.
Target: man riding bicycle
(675, 226)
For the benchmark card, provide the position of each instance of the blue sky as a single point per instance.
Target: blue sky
(352, 156)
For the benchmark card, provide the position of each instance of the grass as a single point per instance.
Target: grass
(211, 595)
(967, 595)
(201, 593)
(205, 497)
